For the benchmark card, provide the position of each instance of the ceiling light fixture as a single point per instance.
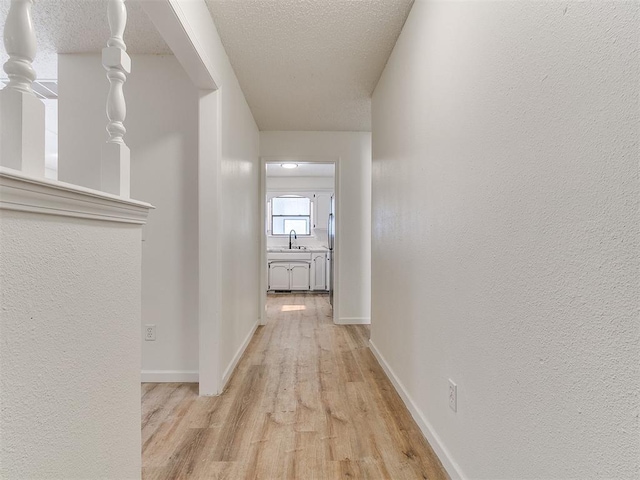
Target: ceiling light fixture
(289, 165)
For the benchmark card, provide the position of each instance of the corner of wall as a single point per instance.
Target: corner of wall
(453, 469)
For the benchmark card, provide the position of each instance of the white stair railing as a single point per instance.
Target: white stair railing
(115, 167)
(22, 128)
(22, 115)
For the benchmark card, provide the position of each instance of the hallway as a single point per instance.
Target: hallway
(308, 401)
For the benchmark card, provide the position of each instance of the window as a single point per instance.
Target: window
(290, 212)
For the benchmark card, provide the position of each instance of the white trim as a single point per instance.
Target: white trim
(353, 320)
(337, 161)
(169, 376)
(234, 363)
(26, 193)
(262, 268)
(209, 246)
(214, 80)
(452, 468)
(171, 22)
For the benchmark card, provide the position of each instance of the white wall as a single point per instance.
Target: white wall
(162, 133)
(240, 230)
(352, 152)
(505, 233)
(51, 138)
(173, 228)
(82, 100)
(69, 375)
(300, 183)
(163, 136)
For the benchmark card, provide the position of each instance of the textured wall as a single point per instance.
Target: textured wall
(69, 351)
(505, 232)
(352, 150)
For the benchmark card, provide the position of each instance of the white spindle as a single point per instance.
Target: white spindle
(117, 15)
(20, 42)
(115, 175)
(22, 128)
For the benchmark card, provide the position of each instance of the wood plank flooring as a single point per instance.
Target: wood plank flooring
(308, 401)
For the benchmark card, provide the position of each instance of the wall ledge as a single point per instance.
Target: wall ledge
(24, 193)
(443, 453)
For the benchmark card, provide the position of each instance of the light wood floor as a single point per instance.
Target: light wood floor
(307, 401)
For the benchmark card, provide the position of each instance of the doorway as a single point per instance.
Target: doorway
(299, 205)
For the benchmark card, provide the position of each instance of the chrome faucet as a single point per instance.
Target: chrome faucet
(295, 235)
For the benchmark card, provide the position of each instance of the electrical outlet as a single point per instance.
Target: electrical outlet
(453, 396)
(150, 333)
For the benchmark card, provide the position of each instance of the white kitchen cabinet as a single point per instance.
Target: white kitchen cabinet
(318, 271)
(279, 276)
(288, 276)
(323, 207)
(299, 276)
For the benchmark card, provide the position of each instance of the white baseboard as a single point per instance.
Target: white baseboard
(353, 321)
(452, 468)
(234, 363)
(169, 376)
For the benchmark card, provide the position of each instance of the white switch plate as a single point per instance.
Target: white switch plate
(149, 333)
(453, 396)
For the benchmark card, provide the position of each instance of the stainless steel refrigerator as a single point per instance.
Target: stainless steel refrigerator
(331, 239)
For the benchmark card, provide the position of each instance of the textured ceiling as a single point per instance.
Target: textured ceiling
(80, 26)
(303, 170)
(302, 64)
(309, 64)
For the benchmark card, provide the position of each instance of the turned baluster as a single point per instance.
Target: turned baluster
(22, 128)
(115, 168)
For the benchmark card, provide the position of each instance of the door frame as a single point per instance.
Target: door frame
(264, 160)
(174, 26)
